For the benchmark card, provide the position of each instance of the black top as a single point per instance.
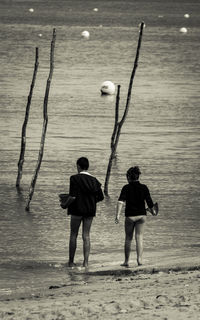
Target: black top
(135, 194)
(87, 190)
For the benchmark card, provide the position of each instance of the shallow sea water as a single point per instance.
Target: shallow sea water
(161, 132)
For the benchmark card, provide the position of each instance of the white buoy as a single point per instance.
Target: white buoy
(107, 87)
(85, 34)
(31, 10)
(95, 9)
(186, 15)
(183, 30)
(40, 35)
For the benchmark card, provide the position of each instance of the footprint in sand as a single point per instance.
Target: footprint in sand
(163, 299)
(136, 304)
(112, 307)
(181, 301)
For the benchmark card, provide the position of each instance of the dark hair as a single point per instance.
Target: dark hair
(133, 173)
(83, 163)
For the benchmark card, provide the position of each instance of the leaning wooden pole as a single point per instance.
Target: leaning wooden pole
(113, 137)
(23, 135)
(45, 122)
(112, 145)
(118, 125)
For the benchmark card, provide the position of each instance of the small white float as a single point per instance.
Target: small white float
(186, 15)
(40, 35)
(31, 10)
(107, 87)
(183, 30)
(95, 9)
(85, 34)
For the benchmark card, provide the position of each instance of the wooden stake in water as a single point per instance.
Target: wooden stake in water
(45, 122)
(118, 124)
(113, 144)
(23, 136)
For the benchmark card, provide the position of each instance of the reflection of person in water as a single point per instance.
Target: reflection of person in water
(87, 191)
(134, 194)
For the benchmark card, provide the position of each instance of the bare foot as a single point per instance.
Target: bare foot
(126, 265)
(139, 263)
(85, 264)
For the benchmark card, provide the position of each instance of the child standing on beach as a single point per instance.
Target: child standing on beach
(134, 195)
(87, 192)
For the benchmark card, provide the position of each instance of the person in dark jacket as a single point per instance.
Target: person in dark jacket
(87, 192)
(134, 195)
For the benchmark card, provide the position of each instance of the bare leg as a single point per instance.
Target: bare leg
(74, 227)
(87, 222)
(129, 228)
(139, 232)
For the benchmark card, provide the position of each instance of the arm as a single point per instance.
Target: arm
(150, 204)
(118, 210)
(72, 187)
(120, 202)
(148, 199)
(99, 195)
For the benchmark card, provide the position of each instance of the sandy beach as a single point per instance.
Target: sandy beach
(156, 292)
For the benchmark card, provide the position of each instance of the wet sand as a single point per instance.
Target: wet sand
(159, 291)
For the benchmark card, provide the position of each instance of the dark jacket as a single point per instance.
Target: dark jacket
(135, 194)
(87, 190)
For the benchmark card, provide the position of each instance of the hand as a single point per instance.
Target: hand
(152, 211)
